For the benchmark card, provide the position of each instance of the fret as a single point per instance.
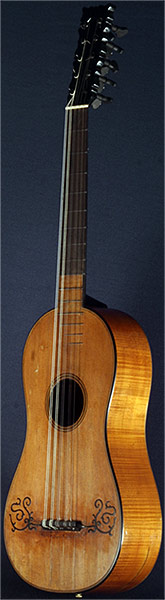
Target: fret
(66, 324)
(72, 300)
(71, 288)
(71, 293)
(74, 210)
(71, 312)
(82, 227)
(74, 173)
(77, 130)
(79, 343)
(78, 333)
(71, 281)
(80, 152)
(70, 306)
(76, 218)
(71, 259)
(78, 193)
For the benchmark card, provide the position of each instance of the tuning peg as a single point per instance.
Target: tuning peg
(109, 81)
(113, 48)
(99, 99)
(120, 31)
(104, 98)
(108, 38)
(107, 30)
(113, 66)
(105, 80)
(97, 87)
(106, 65)
(108, 35)
(111, 8)
(96, 103)
(109, 21)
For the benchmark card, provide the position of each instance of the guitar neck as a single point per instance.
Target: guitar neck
(73, 215)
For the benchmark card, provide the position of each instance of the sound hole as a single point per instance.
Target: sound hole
(67, 405)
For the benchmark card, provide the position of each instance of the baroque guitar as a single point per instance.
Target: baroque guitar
(83, 508)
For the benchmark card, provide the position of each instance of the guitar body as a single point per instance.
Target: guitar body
(117, 503)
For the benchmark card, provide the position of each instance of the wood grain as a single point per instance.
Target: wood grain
(74, 561)
(142, 520)
(52, 560)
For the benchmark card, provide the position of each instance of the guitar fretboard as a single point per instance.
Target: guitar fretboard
(74, 218)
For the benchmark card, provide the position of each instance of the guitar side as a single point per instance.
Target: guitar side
(142, 519)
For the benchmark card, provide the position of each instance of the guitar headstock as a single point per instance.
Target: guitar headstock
(92, 60)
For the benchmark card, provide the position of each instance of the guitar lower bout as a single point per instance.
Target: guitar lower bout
(105, 527)
(63, 513)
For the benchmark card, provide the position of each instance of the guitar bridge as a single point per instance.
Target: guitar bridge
(62, 525)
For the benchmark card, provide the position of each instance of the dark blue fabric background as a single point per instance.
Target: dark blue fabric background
(125, 217)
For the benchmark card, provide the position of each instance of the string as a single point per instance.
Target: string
(74, 171)
(58, 323)
(84, 271)
(65, 434)
(80, 264)
(60, 308)
(68, 437)
(53, 363)
(78, 271)
(68, 471)
(79, 213)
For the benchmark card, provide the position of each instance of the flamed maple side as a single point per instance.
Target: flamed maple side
(83, 509)
(142, 518)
